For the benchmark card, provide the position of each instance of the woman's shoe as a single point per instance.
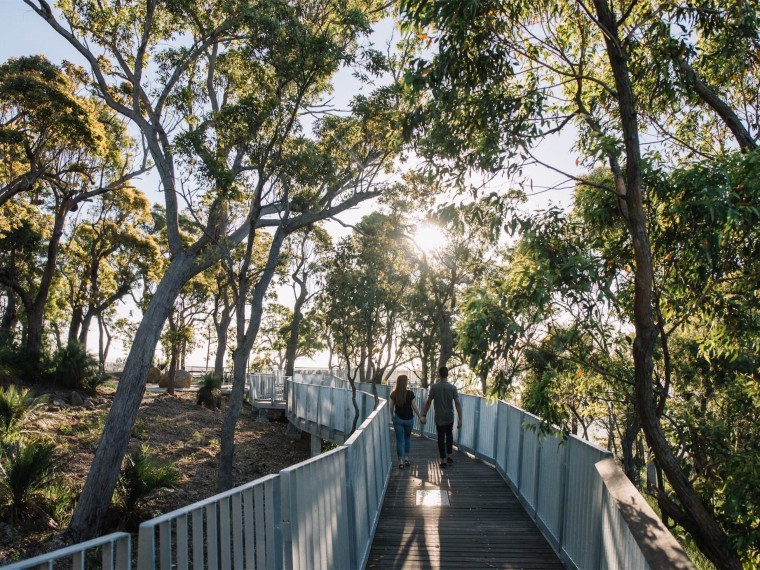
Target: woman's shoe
(406, 462)
(400, 465)
(449, 460)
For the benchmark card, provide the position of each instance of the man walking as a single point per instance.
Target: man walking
(444, 396)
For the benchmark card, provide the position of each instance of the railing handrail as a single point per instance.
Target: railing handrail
(260, 523)
(116, 554)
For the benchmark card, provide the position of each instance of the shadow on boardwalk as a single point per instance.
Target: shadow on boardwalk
(484, 526)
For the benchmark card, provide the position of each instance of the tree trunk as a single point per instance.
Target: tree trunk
(75, 326)
(627, 442)
(295, 328)
(10, 317)
(707, 533)
(222, 328)
(36, 314)
(172, 374)
(447, 338)
(101, 479)
(425, 360)
(240, 358)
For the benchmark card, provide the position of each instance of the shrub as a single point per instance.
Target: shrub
(91, 383)
(27, 468)
(59, 503)
(74, 368)
(17, 406)
(210, 393)
(15, 364)
(143, 475)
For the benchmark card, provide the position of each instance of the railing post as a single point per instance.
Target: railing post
(353, 556)
(564, 481)
(521, 437)
(146, 548)
(476, 425)
(286, 529)
(537, 474)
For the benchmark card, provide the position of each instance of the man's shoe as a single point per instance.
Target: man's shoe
(450, 460)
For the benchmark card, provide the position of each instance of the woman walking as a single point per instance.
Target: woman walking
(403, 410)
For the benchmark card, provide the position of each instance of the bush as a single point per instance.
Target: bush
(27, 468)
(143, 475)
(59, 503)
(15, 365)
(92, 383)
(17, 406)
(210, 393)
(74, 368)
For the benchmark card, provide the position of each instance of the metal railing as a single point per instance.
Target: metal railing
(266, 389)
(115, 554)
(320, 513)
(559, 482)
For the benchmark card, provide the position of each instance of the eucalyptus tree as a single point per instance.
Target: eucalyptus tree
(110, 250)
(307, 256)
(269, 350)
(366, 292)
(215, 92)
(69, 149)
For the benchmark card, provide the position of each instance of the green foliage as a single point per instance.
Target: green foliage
(211, 381)
(59, 498)
(28, 467)
(143, 475)
(15, 364)
(17, 407)
(74, 368)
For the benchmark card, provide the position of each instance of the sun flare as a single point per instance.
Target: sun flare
(429, 238)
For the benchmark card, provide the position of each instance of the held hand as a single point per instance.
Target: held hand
(423, 420)
(459, 424)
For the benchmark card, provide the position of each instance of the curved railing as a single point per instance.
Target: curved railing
(320, 513)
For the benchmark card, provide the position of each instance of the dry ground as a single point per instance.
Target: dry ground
(175, 429)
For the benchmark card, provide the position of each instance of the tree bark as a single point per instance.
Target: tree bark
(221, 340)
(447, 338)
(713, 100)
(104, 472)
(708, 534)
(295, 329)
(240, 358)
(36, 314)
(10, 317)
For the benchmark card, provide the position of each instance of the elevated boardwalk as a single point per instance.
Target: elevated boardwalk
(351, 507)
(483, 526)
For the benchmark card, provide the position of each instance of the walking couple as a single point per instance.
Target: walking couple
(444, 397)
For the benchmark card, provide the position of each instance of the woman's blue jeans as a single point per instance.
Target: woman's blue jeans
(403, 436)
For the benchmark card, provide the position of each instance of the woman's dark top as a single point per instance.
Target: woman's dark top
(404, 411)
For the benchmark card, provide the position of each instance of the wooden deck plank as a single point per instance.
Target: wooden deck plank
(485, 526)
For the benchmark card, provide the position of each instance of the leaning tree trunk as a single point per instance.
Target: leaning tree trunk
(104, 471)
(697, 518)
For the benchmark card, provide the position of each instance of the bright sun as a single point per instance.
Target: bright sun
(429, 237)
